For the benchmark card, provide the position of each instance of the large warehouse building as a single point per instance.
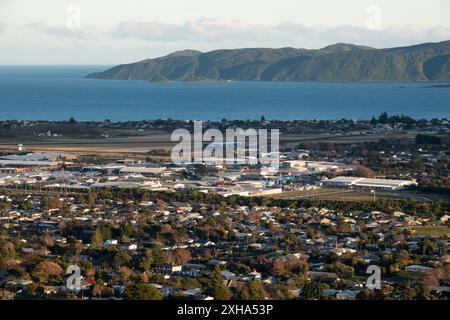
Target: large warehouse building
(381, 184)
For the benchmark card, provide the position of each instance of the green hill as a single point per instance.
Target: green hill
(339, 62)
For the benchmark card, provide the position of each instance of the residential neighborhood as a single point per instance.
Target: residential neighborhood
(145, 228)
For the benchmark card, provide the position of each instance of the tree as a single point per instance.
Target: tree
(383, 118)
(218, 288)
(121, 259)
(178, 256)
(157, 256)
(48, 267)
(343, 227)
(427, 246)
(312, 291)
(47, 240)
(255, 290)
(7, 249)
(343, 270)
(3, 266)
(50, 203)
(25, 205)
(408, 293)
(362, 171)
(72, 120)
(142, 291)
(308, 291)
(201, 169)
(222, 293)
(90, 199)
(106, 232)
(97, 290)
(365, 294)
(97, 238)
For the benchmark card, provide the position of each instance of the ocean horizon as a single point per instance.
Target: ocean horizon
(60, 92)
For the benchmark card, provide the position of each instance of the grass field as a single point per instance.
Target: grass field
(431, 196)
(123, 143)
(312, 194)
(331, 194)
(434, 231)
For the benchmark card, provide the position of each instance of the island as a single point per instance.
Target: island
(338, 62)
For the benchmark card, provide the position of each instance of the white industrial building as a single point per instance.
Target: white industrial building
(143, 170)
(380, 184)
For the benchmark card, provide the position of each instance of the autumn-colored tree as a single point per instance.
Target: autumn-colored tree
(161, 204)
(3, 265)
(7, 249)
(402, 258)
(50, 202)
(166, 229)
(125, 272)
(47, 240)
(178, 256)
(343, 227)
(97, 288)
(284, 268)
(362, 171)
(49, 267)
(254, 217)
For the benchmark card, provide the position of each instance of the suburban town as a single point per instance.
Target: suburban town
(224, 159)
(354, 196)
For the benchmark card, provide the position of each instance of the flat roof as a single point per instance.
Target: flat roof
(28, 163)
(370, 181)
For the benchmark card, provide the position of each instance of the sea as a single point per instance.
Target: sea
(63, 92)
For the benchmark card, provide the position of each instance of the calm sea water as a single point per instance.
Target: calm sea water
(58, 93)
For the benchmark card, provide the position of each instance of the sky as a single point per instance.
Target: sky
(108, 32)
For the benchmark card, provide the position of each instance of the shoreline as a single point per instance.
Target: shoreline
(259, 119)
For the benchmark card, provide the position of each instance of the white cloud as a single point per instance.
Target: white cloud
(62, 32)
(133, 40)
(204, 29)
(223, 33)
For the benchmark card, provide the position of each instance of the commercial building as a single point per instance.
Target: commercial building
(365, 183)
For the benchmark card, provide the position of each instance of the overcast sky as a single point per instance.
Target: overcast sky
(122, 31)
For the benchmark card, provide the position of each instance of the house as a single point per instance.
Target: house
(216, 262)
(346, 295)
(321, 276)
(193, 270)
(129, 247)
(166, 269)
(227, 274)
(341, 251)
(254, 275)
(418, 269)
(18, 284)
(111, 242)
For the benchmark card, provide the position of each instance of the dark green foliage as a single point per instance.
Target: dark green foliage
(142, 291)
(339, 62)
